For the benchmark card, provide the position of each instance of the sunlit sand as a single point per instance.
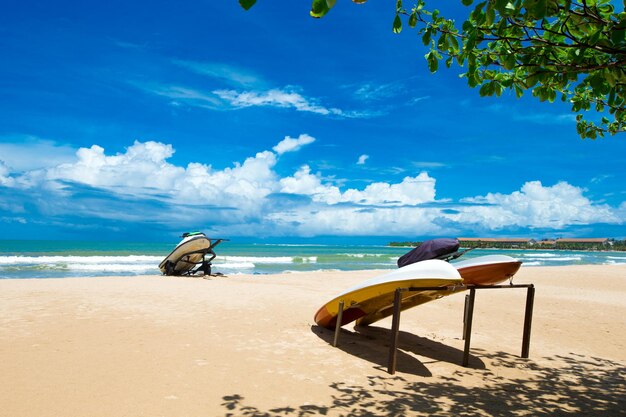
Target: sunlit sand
(170, 346)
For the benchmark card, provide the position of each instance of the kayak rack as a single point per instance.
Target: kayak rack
(468, 314)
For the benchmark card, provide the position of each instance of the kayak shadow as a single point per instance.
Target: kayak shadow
(372, 344)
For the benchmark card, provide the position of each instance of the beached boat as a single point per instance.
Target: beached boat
(487, 270)
(372, 300)
(190, 253)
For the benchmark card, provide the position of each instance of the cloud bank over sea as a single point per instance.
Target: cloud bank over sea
(140, 186)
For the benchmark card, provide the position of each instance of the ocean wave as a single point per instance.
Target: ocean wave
(559, 259)
(540, 255)
(114, 267)
(295, 245)
(270, 259)
(234, 265)
(31, 260)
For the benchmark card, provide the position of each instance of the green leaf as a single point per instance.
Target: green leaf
(485, 90)
(618, 37)
(508, 61)
(490, 16)
(427, 36)
(442, 44)
(319, 8)
(413, 20)
(497, 88)
(537, 8)
(509, 6)
(397, 24)
(246, 4)
(433, 62)
(454, 44)
(467, 2)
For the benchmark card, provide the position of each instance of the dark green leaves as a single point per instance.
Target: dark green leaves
(536, 9)
(397, 24)
(552, 48)
(433, 58)
(320, 7)
(246, 4)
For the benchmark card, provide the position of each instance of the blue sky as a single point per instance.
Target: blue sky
(139, 120)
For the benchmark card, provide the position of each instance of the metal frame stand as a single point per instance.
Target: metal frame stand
(468, 315)
(467, 319)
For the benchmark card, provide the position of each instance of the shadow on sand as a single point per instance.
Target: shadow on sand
(372, 344)
(571, 385)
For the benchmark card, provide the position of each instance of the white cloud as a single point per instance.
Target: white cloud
(133, 169)
(228, 99)
(355, 221)
(223, 72)
(416, 100)
(373, 91)
(545, 118)
(411, 191)
(538, 206)
(362, 159)
(5, 179)
(427, 164)
(600, 178)
(188, 96)
(24, 153)
(305, 183)
(249, 197)
(290, 144)
(274, 98)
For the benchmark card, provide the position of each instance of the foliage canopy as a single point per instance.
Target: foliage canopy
(557, 49)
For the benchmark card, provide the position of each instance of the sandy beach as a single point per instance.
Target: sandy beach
(247, 345)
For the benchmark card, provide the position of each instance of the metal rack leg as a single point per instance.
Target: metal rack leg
(465, 315)
(528, 319)
(338, 325)
(395, 329)
(468, 326)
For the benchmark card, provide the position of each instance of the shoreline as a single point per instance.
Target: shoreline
(528, 249)
(247, 259)
(172, 346)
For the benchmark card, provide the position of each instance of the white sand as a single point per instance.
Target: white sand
(247, 345)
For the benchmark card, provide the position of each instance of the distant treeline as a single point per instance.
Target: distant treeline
(616, 245)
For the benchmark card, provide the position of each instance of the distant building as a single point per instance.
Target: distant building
(495, 239)
(599, 243)
(495, 242)
(513, 243)
(601, 240)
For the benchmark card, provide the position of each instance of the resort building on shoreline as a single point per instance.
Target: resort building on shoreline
(560, 243)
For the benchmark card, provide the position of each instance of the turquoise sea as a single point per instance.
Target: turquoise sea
(56, 259)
